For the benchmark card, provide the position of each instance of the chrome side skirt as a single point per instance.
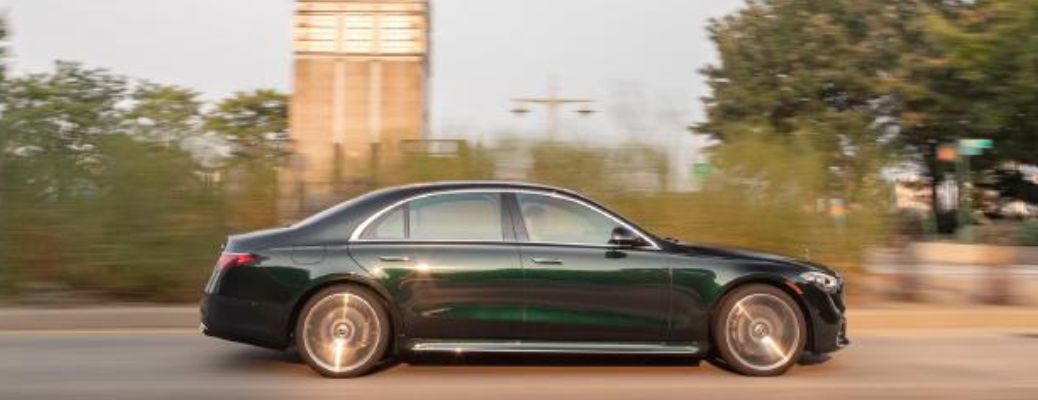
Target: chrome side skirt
(556, 347)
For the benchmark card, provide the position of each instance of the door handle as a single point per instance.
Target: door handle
(395, 258)
(547, 261)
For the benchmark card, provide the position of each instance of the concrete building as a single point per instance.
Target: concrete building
(359, 90)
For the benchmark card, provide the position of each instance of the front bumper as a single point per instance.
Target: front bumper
(827, 321)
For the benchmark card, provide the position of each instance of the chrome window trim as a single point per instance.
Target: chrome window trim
(356, 235)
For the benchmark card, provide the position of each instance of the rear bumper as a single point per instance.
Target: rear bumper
(243, 321)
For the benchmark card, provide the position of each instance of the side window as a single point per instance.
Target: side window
(554, 220)
(390, 226)
(463, 216)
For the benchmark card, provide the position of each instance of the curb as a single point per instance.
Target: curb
(104, 318)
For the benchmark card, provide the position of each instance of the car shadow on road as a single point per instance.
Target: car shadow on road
(252, 358)
(289, 361)
(556, 360)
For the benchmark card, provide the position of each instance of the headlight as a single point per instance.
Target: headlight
(824, 281)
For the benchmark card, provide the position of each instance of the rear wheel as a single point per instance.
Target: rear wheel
(342, 331)
(759, 330)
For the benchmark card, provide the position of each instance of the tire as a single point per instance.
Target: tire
(759, 330)
(343, 331)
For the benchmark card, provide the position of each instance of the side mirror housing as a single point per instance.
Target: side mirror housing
(623, 237)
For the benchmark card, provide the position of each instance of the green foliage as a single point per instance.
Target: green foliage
(1029, 234)
(821, 70)
(163, 113)
(868, 84)
(807, 103)
(3, 49)
(97, 195)
(61, 111)
(254, 120)
(992, 47)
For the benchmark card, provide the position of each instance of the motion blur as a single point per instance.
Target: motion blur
(894, 140)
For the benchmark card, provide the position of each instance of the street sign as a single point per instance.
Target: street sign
(701, 170)
(975, 147)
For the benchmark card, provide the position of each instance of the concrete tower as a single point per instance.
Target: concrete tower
(360, 87)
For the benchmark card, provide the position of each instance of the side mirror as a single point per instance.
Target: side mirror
(623, 237)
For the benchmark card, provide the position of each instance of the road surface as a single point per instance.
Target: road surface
(179, 364)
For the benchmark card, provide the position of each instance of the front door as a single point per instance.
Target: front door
(446, 261)
(578, 287)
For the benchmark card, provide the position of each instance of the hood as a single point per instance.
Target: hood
(741, 254)
(726, 252)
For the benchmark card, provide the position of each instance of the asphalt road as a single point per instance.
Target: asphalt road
(180, 364)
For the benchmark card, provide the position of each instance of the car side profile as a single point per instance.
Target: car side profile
(497, 267)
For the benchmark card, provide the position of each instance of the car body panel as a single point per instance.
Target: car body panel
(595, 294)
(459, 290)
(490, 292)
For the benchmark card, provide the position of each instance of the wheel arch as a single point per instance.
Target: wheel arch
(776, 281)
(351, 280)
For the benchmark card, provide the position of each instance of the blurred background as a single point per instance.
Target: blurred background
(890, 139)
(894, 140)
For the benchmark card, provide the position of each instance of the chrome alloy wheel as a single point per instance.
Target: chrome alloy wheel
(341, 332)
(762, 331)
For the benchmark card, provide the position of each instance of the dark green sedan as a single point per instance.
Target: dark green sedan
(486, 267)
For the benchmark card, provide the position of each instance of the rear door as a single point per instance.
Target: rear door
(578, 287)
(451, 263)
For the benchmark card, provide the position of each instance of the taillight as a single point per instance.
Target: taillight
(234, 260)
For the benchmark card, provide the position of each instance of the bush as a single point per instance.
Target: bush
(1029, 234)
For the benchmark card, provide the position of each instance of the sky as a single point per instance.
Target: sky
(637, 58)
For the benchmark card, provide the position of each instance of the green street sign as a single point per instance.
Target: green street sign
(971, 151)
(975, 147)
(701, 169)
(977, 143)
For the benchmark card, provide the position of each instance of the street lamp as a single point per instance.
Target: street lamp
(554, 104)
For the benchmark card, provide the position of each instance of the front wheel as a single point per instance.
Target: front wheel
(759, 330)
(342, 332)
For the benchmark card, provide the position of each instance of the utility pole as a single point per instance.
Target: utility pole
(554, 104)
(968, 148)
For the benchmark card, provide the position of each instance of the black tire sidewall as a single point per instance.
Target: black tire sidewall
(380, 313)
(720, 321)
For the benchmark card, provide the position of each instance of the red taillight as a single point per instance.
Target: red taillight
(233, 260)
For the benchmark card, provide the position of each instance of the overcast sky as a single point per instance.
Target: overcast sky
(637, 57)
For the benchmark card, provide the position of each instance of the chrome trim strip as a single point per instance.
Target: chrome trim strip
(355, 236)
(556, 347)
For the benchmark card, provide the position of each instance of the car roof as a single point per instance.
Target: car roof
(489, 185)
(375, 200)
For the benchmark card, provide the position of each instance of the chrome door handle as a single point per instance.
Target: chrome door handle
(395, 258)
(547, 261)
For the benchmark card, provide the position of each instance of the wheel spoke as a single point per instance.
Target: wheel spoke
(338, 346)
(340, 332)
(770, 344)
(762, 331)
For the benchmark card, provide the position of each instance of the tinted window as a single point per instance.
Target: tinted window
(463, 216)
(550, 219)
(389, 226)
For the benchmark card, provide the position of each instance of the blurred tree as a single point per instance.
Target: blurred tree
(808, 105)
(49, 127)
(150, 231)
(822, 70)
(86, 204)
(257, 121)
(257, 124)
(164, 114)
(3, 49)
(866, 82)
(992, 46)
